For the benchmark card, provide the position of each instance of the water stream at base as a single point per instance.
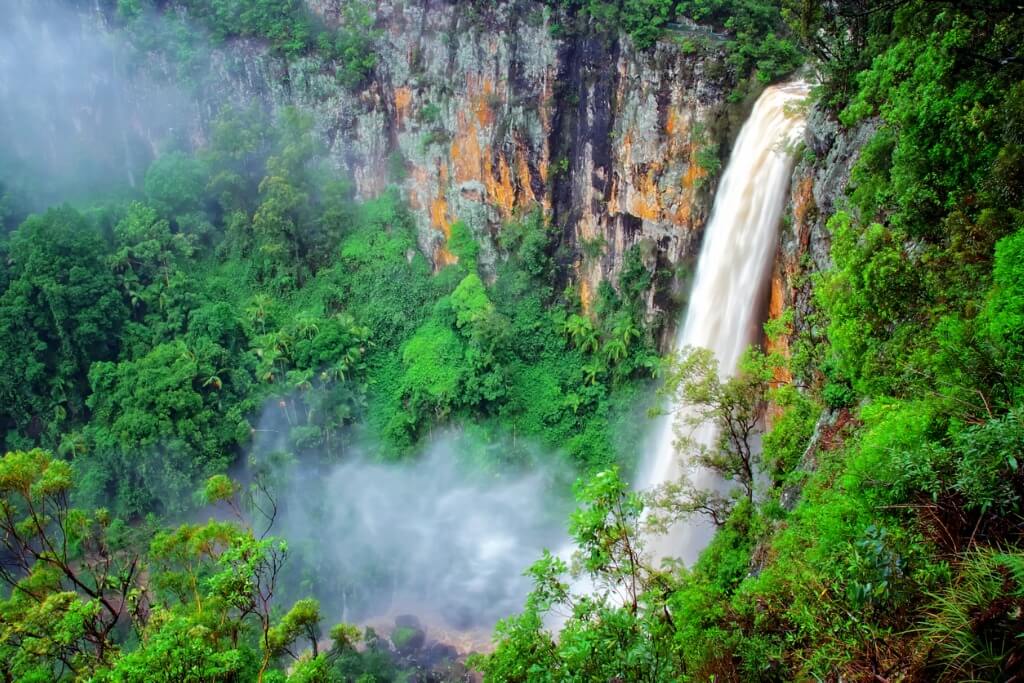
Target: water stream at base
(728, 289)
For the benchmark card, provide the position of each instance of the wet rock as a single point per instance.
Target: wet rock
(822, 172)
(437, 654)
(489, 112)
(408, 636)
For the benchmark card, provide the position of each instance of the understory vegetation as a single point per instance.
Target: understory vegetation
(883, 539)
(751, 31)
(289, 27)
(150, 342)
(242, 307)
(153, 331)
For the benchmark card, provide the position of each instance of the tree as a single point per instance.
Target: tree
(837, 34)
(159, 425)
(732, 408)
(616, 620)
(580, 330)
(175, 184)
(71, 581)
(93, 598)
(240, 143)
(61, 311)
(148, 257)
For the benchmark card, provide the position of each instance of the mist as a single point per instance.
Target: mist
(444, 535)
(78, 119)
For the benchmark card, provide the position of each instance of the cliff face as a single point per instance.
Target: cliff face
(475, 111)
(477, 114)
(818, 182)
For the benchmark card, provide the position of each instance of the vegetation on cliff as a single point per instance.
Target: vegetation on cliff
(753, 31)
(149, 341)
(876, 536)
(885, 542)
(151, 331)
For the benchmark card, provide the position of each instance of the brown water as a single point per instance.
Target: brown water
(726, 298)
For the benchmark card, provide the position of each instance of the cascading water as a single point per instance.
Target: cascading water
(725, 300)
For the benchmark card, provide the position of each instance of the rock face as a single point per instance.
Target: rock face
(478, 113)
(475, 111)
(819, 181)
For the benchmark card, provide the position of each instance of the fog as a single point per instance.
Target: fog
(77, 119)
(443, 534)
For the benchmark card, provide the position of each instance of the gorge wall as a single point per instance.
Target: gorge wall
(479, 113)
(816, 191)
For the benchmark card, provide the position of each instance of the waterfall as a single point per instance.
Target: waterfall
(727, 293)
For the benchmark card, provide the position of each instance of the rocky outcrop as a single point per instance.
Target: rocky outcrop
(478, 113)
(629, 147)
(474, 111)
(818, 186)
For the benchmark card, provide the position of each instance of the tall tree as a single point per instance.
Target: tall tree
(60, 312)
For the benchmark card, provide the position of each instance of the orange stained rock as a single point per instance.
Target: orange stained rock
(418, 186)
(803, 202)
(403, 98)
(479, 90)
(694, 171)
(645, 201)
(670, 123)
(439, 215)
(484, 112)
(613, 196)
(684, 213)
(626, 148)
(777, 300)
(526, 195)
(804, 199)
(500, 190)
(586, 296)
(677, 130)
(443, 257)
(465, 154)
(439, 220)
(779, 345)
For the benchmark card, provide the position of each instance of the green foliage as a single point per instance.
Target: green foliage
(758, 38)
(288, 26)
(353, 44)
(887, 541)
(470, 303)
(175, 184)
(622, 627)
(1004, 311)
(250, 277)
(159, 426)
(433, 376)
(93, 599)
(61, 311)
(976, 624)
(868, 297)
(285, 23)
(462, 243)
(783, 447)
(877, 538)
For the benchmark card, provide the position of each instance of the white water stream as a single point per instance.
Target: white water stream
(727, 294)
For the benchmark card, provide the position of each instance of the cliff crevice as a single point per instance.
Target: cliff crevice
(479, 114)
